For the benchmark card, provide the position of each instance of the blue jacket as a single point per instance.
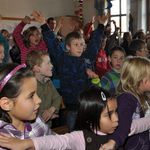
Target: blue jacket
(72, 70)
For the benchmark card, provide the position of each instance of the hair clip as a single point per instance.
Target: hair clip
(103, 96)
(9, 75)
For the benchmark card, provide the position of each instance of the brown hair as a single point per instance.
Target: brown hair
(35, 58)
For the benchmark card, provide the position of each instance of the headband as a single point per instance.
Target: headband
(9, 75)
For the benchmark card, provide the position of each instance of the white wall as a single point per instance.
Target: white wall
(20, 8)
(50, 8)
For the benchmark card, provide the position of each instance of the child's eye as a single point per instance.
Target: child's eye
(31, 96)
(122, 58)
(114, 57)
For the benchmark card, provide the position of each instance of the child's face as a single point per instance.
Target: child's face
(35, 38)
(143, 52)
(109, 120)
(117, 59)
(26, 105)
(46, 67)
(1, 53)
(6, 35)
(145, 85)
(52, 24)
(76, 47)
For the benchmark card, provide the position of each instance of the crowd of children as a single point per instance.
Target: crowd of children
(104, 85)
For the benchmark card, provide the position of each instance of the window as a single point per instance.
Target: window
(119, 14)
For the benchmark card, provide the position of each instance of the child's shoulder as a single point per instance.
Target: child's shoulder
(111, 74)
(127, 94)
(127, 98)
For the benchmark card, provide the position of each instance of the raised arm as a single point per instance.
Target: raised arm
(19, 38)
(54, 48)
(96, 37)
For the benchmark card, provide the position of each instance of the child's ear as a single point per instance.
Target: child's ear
(36, 68)
(67, 47)
(6, 104)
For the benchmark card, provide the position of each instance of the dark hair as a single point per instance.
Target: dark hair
(136, 45)
(71, 36)
(13, 86)
(50, 19)
(4, 30)
(27, 33)
(116, 48)
(91, 104)
(139, 35)
(126, 35)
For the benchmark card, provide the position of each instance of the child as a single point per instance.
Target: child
(52, 23)
(102, 65)
(39, 62)
(96, 118)
(30, 40)
(19, 102)
(71, 64)
(134, 83)
(127, 38)
(1, 53)
(110, 79)
(138, 47)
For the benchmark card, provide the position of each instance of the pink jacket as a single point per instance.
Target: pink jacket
(75, 140)
(70, 141)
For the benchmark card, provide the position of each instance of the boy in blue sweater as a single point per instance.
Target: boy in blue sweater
(71, 65)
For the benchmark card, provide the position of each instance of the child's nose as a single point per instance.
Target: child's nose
(115, 118)
(37, 99)
(51, 65)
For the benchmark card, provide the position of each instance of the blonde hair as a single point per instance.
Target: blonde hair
(134, 70)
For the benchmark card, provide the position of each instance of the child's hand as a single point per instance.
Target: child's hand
(103, 18)
(48, 113)
(91, 74)
(27, 20)
(37, 15)
(114, 22)
(110, 145)
(59, 25)
(54, 116)
(14, 143)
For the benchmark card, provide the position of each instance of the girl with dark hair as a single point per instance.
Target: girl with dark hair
(19, 103)
(97, 117)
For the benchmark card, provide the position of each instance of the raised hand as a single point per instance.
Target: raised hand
(38, 16)
(102, 19)
(59, 25)
(27, 20)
